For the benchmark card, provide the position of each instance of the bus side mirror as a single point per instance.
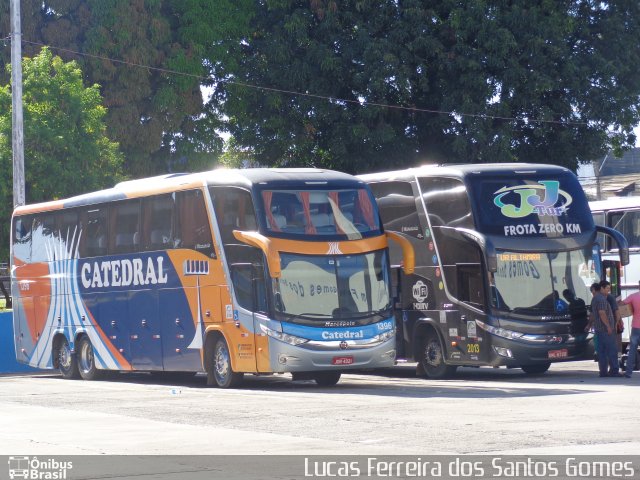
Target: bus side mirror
(624, 256)
(408, 253)
(623, 246)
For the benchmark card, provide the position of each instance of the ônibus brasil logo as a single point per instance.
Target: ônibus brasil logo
(35, 469)
(542, 199)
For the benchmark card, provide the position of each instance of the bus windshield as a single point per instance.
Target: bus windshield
(332, 286)
(349, 212)
(552, 283)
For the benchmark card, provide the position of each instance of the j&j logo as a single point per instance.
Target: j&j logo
(545, 199)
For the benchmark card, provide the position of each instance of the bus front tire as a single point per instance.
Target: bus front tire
(222, 372)
(432, 358)
(538, 369)
(87, 361)
(327, 379)
(67, 364)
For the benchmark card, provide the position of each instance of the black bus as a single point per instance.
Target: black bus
(504, 258)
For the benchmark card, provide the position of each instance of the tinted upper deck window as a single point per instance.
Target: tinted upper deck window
(447, 202)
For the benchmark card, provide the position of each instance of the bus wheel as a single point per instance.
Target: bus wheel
(86, 361)
(66, 360)
(327, 379)
(535, 369)
(432, 360)
(223, 373)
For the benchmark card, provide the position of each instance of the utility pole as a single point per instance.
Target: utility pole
(16, 95)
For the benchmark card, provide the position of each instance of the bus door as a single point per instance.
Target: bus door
(471, 292)
(27, 328)
(31, 286)
(612, 273)
(146, 330)
(249, 285)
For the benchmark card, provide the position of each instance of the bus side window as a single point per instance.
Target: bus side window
(69, 229)
(397, 206)
(448, 205)
(124, 223)
(94, 242)
(599, 219)
(234, 211)
(22, 238)
(470, 285)
(158, 222)
(193, 229)
(626, 223)
(42, 238)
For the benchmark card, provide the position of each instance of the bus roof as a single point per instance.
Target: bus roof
(463, 170)
(183, 181)
(615, 203)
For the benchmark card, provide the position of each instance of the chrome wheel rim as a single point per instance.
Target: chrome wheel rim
(64, 356)
(222, 363)
(86, 357)
(433, 354)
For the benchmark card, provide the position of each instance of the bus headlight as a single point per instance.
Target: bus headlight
(283, 337)
(383, 337)
(500, 332)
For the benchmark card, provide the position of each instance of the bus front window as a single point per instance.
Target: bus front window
(539, 284)
(348, 213)
(326, 287)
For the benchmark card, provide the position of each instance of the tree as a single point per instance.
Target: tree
(67, 151)
(483, 81)
(132, 48)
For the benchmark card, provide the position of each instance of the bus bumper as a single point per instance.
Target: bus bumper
(513, 353)
(289, 358)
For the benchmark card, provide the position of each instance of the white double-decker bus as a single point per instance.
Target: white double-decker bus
(623, 214)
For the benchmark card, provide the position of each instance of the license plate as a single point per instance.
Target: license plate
(563, 353)
(342, 361)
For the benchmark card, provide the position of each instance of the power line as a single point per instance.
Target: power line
(309, 95)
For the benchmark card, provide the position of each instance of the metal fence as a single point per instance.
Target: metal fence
(5, 283)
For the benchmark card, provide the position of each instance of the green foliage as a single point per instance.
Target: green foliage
(479, 81)
(67, 151)
(571, 63)
(157, 117)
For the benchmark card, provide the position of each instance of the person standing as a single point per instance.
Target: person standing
(604, 326)
(617, 329)
(634, 335)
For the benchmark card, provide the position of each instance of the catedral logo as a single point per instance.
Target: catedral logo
(123, 273)
(545, 199)
(35, 469)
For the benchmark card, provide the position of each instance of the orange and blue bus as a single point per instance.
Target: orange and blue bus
(225, 272)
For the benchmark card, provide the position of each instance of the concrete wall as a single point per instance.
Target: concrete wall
(8, 363)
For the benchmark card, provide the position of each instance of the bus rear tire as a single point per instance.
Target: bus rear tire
(327, 379)
(432, 358)
(66, 360)
(223, 374)
(535, 369)
(87, 361)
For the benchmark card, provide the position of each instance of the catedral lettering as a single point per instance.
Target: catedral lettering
(505, 251)
(347, 335)
(167, 274)
(123, 273)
